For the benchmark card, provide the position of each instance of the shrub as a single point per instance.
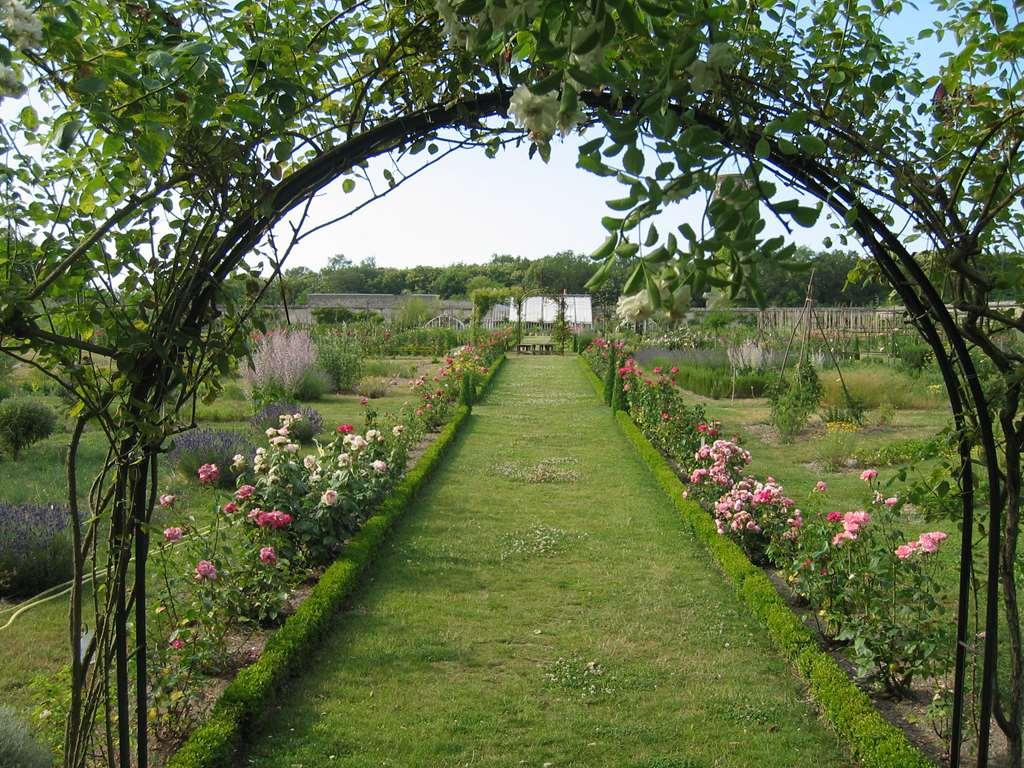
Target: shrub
(17, 746)
(373, 386)
(874, 385)
(389, 368)
(304, 430)
(24, 421)
(836, 449)
(793, 402)
(35, 548)
(341, 359)
(313, 385)
(196, 447)
(280, 361)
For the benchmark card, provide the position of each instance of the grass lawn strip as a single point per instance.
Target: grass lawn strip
(556, 613)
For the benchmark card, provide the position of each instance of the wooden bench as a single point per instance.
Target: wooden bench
(535, 349)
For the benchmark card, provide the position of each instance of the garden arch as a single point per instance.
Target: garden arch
(239, 162)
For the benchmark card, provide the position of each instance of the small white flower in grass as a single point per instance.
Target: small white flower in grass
(537, 113)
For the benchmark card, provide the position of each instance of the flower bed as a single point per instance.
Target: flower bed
(290, 515)
(873, 741)
(871, 588)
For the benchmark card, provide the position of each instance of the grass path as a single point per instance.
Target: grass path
(542, 606)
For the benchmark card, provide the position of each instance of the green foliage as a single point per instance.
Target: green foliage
(610, 373)
(313, 385)
(794, 401)
(413, 311)
(23, 422)
(340, 358)
(373, 387)
(718, 383)
(18, 748)
(341, 315)
(468, 395)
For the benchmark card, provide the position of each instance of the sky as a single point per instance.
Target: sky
(468, 207)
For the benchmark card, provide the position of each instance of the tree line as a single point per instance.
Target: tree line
(839, 277)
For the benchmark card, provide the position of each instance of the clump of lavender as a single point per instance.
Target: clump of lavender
(280, 361)
(196, 447)
(35, 548)
(309, 426)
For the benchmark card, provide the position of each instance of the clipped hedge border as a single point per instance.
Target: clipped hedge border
(874, 741)
(214, 743)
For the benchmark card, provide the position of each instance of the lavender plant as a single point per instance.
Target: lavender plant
(197, 447)
(304, 430)
(281, 361)
(35, 548)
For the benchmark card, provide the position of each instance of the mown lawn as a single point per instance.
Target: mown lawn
(543, 606)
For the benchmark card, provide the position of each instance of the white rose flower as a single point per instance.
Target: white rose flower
(296, 417)
(397, 430)
(25, 30)
(345, 460)
(635, 307)
(537, 113)
(279, 440)
(291, 447)
(271, 432)
(309, 462)
(358, 443)
(372, 435)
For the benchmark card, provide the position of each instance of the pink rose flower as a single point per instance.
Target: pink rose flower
(330, 497)
(167, 500)
(820, 486)
(208, 473)
(674, 370)
(929, 542)
(230, 508)
(173, 534)
(868, 475)
(245, 492)
(205, 571)
(834, 517)
(364, 401)
(903, 551)
(892, 501)
(380, 467)
(268, 556)
(176, 643)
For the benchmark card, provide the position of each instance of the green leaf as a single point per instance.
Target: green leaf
(806, 217)
(29, 118)
(633, 160)
(762, 149)
(652, 237)
(635, 281)
(152, 148)
(68, 134)
(347, 185)
(812, 145)
(91, 85)
(606, 248)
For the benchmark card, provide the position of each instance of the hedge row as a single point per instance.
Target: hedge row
(848, 710)
(214, 743)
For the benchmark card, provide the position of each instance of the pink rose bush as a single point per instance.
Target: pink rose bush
(874, 590)
(717, 467)
(760, 517)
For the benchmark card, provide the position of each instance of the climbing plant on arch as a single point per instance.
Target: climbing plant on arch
(170, 153)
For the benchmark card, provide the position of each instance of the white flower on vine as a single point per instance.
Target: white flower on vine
(537, 113)
(23, 28)
(635, 307)
(10, 83)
